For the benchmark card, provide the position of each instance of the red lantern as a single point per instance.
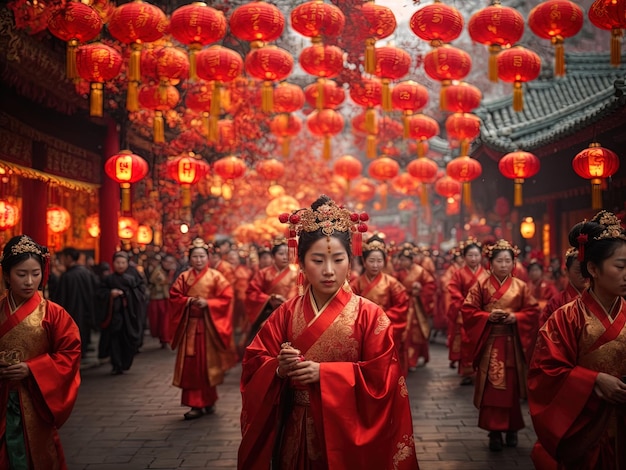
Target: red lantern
(168, 67)
(348, 168)
(74, 23)
(438, 23)
(226, 135)
(364, 190)
(219, 65)
(126, 168)
(610, 15)
(269, 63)
(378, 22)
(519, 166)
(230, 168)
(271, 169)
(285, 126)
(368, 93)
(187, 170)
(127, 228)
(321, 60)
(325, 123)
(9, 215)
(464, 169)
(462, 98)
(447, 187)
(198, 99)
(315, 19)
(409, 97)
(144, 235)
(463, 128)
(556, 20)
(498, 27)
(92, 224)
(421, 128)
(158, 99)
(97, 63)
(257, 22)
(405, 184)
(392, 63)
(595, 163)
(447, 63)
(58, 219)
(136, 23)
(518, 65)
(288, 98)
(331, 97)
(423, 169)
(383, 169)
(197, 25)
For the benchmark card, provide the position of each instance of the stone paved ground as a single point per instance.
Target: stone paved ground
(135, 421)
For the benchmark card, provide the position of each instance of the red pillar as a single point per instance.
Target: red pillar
(552, 220)
(35, 205)
(109, 199)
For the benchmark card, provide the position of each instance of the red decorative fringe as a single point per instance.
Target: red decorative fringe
(582, 240)
(357, 243)
(292, 249)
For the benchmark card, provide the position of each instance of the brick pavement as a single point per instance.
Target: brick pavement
(135, 421)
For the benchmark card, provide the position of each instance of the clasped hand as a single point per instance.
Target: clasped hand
(199, 302)
(17, 371)
(610, 389)
(500, 316)
(292, 364)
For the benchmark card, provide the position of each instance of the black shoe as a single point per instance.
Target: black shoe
(467, 381)
(511, 439)
(209, 410)
(116, 371)
(495, 441)
(452, 364)
(194, 413)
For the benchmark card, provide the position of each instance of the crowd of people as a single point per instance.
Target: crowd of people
(327, 324)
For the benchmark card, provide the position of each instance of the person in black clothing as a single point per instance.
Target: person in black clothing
(121, 296)
(75, 293)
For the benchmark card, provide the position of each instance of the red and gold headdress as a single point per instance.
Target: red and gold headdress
(375, 245)
(328, 218)
(500, 245)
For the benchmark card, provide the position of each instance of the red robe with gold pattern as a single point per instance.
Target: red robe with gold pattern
(203, 336)
(357, 415)
(44, 336)
(389, 294)
(575, 426)
(461, 348)
(565, 296)
(501, 351)
(266, 282)
(420, 309)
(543, 290)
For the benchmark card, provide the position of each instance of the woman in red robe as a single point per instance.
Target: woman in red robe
(39, 362)
(269, 288)
(421, 287)
(576, 284)
(500, 317)
(576, 389)
(461, 348)
(541, 288)
(201, 301)
(321, 383)
(386, 291)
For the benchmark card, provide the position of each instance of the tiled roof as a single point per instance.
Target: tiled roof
(553, 107)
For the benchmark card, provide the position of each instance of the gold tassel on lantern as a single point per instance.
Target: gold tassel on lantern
(125, 197)
(386, 98)
(267, 97)
(205, 124)
(96, 99)
(158, 128)
(616, 46)
(596, 193)
(559, 56)
(465, 145)
(383, 196)
(370, 55)
(405, 124)
(494, 50)
(132, 97)
(518, 97)
(370, 147)
(70, 59)
(421, 149)
(370, 120)
(326, 152)
(193, 49)
(517, 191)
(285, 147)
(213, 130)
(443, 101)
(185, 198)
(423, 195)
(319, 100)
(134, 73)
(467, 194)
